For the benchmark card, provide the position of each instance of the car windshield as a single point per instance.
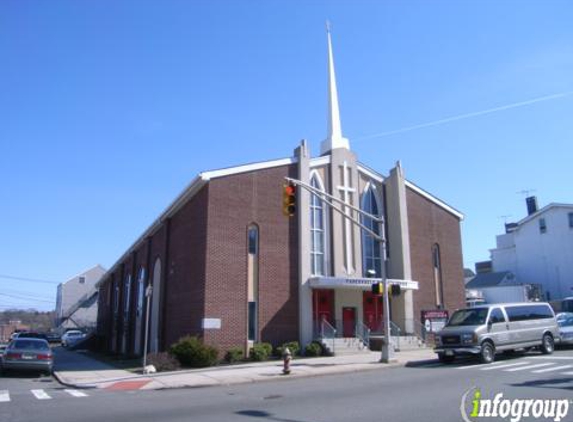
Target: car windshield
(568, 322)
(76, 334)
(468, 317)
(29, 345)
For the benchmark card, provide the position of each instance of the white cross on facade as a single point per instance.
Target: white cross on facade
(345, 191)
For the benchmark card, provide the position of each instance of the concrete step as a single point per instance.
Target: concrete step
(346, 346)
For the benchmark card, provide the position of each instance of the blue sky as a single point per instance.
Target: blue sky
(109, 108)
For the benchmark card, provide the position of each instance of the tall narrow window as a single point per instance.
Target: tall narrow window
(437, 269)
(317, 242)
(570, 215)
(371, 256)
(253, 281)
(542, 225)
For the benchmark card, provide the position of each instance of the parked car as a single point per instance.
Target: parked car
(28, 354)
(566, 329)
(53, 337)
(72, 337)
(484, 330)
(563, 315)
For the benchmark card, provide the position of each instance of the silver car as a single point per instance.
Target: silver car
(484, 330)
(28, 354)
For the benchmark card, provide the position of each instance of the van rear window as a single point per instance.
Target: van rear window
(529, 312)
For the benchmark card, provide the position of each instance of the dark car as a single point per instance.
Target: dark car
(32, 334)
(32, 354)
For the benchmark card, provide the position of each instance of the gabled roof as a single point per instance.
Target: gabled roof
(487, 280)
(542, 211)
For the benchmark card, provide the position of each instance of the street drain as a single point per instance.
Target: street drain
(272, 397)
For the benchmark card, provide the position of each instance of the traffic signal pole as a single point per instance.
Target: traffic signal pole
(387, 355)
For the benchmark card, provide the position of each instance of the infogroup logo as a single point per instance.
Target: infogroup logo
(475, 407)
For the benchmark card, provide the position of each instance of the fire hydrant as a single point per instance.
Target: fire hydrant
(287, 357)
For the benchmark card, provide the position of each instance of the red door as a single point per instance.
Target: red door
(372, 305)
(323, 305)
(348, 322)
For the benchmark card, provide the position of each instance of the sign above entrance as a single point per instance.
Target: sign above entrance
(357, 283)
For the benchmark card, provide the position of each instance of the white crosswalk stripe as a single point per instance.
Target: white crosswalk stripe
(481, 365)
(555, 368)
(41, 394)
(507, 365)
(76, 393)
(525, 368)
(4, 396)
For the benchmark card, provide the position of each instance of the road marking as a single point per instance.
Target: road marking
(524, 368)
(507, 365)
(552, 357)
(76, 393)
(495, 364)
(40, 394)
(4, 396)
(557, 368)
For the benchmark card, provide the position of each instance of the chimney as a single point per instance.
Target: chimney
(531, 202)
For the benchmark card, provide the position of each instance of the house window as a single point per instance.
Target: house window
(542, 225)
(82, 280)
(570, 215)
(437, 270)
(252, 281)
(371, 256)
(317, 234)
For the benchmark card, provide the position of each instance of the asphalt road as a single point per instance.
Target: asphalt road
(425, 392)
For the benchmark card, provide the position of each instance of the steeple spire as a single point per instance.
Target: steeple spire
(334, 138)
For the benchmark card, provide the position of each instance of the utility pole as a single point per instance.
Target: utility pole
(148, 293)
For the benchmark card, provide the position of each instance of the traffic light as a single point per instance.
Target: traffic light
(395, 289)
(289, 199)
(377, 288)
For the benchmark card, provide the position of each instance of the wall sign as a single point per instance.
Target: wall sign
(211, 323)
(434, 320)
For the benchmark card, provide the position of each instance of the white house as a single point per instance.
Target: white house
(76, 300)
(539, 249)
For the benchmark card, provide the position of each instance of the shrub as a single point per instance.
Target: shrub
(313, 349)
(163, 361)
(191, 352)
(261, 351)
(234, 354)
(293, 346)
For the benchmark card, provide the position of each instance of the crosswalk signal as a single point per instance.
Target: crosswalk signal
(377, 288)
(289, 199)
(395, 289)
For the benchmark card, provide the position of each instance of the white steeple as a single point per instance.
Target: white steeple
(334, 138)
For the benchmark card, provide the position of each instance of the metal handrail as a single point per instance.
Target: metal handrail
(394, 336)
(328, 333)
(363, 333)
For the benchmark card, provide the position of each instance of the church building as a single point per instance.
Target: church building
(225, 263)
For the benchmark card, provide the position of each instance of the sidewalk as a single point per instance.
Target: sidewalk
(80, 371)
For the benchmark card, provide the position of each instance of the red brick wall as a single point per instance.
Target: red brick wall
(430, 224)
(184, 292)
(234, 203)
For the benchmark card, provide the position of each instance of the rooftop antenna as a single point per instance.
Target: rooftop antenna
(526, 192)
(505, 217)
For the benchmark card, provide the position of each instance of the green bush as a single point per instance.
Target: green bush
(233, 355)
(163, 361)
(191, 352)
(313, 349)
(293, 346)
(260, 351)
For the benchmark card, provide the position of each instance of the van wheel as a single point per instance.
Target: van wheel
(547, 344)
(445, 359)
(487, 353)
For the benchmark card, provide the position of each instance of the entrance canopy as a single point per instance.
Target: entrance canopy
(357, 283)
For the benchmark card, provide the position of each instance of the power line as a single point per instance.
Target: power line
(29, 299)
(31, 280)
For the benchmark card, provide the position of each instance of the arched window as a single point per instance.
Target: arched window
(317, 232)
(437, 271)
(253, 281)
(155, 307)
(139, 310)
(371, 256)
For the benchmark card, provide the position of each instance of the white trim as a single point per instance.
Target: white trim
(543, 210)
(370, 173)
(319, 161)
(435, 200)
(208, 175)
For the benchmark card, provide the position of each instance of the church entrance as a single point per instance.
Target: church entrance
(348, 321)
(373, 310)
(323, 307)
